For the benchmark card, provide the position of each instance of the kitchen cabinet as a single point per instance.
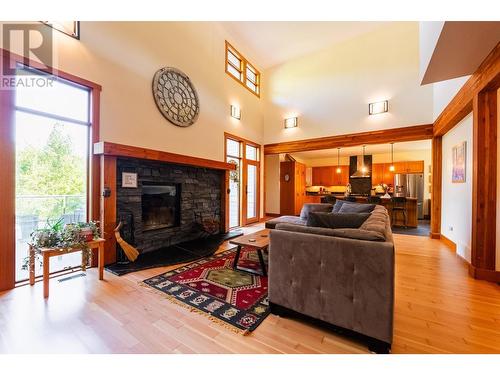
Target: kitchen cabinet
(409, 166)
(328, 176)
(378, 175)
(323, 176)
(312, 199)
(292, 187)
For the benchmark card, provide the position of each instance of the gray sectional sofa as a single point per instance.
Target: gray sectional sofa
(341, 277)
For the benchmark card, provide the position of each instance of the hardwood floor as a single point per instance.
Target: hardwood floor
(438, 309)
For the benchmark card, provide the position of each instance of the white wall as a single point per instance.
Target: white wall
(330, 90)
(456, 215)
(428, 37)
(444, 91)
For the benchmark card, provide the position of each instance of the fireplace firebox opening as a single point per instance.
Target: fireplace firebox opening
(160, 206)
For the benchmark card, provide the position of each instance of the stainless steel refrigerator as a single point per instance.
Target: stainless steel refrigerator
(411, 185)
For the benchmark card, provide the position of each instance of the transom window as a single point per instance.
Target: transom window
(241, 70)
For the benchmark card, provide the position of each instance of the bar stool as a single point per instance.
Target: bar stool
(328, 199)
(399, 205)
(374, 199)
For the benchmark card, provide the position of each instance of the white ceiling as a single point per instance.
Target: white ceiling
(271, 43)
(369, 150)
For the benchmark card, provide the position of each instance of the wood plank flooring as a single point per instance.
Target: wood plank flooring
(438, 309)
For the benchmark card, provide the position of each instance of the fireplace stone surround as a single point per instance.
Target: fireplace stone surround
(200, 199)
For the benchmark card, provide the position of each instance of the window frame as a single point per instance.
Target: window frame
(245, 64)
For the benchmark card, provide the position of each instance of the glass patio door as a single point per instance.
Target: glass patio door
(251, 178)
(52, 128)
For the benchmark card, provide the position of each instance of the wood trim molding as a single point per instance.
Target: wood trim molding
(7, 186)
(436, 195)
(484, 180)
(486, 77)
(119, 150)
(452, 245)
(482, 274)
(410, 133)
(108, 207)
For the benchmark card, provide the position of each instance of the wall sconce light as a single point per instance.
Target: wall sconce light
(71, 28)
(235, 112)
(291, 122)
(378, 107)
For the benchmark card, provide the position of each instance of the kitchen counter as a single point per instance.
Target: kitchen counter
(411, 208)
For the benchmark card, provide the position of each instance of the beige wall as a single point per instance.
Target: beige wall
(123, 56)
(330, 90)
(272, 185)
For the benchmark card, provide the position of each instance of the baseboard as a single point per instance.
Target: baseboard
(483, 274)
(452, 245)
(435, 236)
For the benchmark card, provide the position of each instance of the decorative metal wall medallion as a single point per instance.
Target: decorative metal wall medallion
(176, 96)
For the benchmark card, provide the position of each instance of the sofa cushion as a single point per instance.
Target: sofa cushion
(352, 207)
(349, 233)
(271, 224)
(337, 220)
(378, 222)
(314, 207)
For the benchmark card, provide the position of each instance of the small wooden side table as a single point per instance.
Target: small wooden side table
(47, 253)
(258, 241)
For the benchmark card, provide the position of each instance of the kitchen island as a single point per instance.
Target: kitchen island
(411, 210)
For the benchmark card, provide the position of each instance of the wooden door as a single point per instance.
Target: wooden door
(287, 188)
(300, 186)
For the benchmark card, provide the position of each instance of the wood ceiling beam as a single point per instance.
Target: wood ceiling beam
(486, 77)
(405, 134)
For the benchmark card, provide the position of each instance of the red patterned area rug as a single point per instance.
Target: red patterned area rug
(211, 286)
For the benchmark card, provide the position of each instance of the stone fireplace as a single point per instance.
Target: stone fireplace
(170, 202)
(201, 196)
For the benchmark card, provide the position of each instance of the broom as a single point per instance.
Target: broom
(130, 251)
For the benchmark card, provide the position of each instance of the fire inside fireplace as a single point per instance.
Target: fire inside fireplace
(160, 206)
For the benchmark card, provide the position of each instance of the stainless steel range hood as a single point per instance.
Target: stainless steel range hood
(361, 170)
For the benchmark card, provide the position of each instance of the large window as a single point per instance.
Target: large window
(244, 181)
(52, 131)
(241, 70)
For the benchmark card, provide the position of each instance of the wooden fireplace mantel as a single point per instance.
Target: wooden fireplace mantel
(119, 150)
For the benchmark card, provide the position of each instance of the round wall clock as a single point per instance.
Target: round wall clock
(176, 96)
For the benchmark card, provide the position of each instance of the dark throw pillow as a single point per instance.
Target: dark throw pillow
(337, 206)
(351, 207)
(336, 220)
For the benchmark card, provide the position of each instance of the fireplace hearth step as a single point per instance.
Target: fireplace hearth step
(181, 253)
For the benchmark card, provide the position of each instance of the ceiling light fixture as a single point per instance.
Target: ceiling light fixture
(338, 160)
(235, 112)
(391, 168)
(378, 107)
(291, 122)
(71, 28)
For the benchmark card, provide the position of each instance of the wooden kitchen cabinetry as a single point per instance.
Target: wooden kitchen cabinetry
(328, 176)
(409, 166)
(292, 187)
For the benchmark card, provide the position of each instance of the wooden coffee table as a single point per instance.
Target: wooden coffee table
(258, 241)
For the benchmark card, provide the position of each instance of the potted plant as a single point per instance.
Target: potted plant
(70, 236)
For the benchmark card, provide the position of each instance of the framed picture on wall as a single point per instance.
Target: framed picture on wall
(459, 155)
